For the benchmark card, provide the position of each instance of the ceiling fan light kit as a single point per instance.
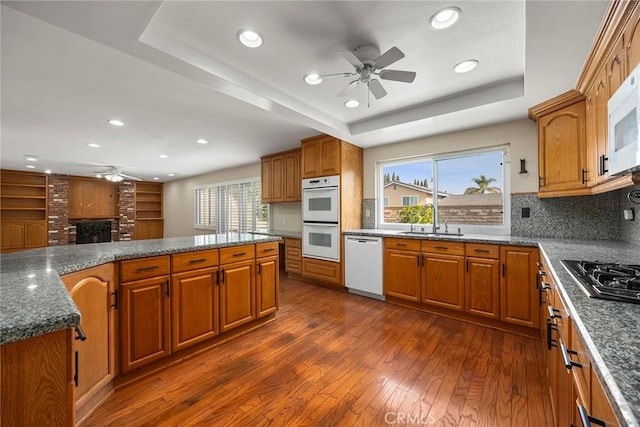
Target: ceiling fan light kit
(113, 178)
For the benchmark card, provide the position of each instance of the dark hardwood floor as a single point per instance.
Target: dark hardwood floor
(335, 359)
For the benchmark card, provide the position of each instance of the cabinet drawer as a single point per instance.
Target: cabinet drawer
(293, 266)
(194, 260)
(293, 243)
(143, 268)
(266, 249)
(480, 250)
(443, 247)
(326, 271)
(403, 244)
(293, 254)
(237, 253)
(562, 317)
(582, 374)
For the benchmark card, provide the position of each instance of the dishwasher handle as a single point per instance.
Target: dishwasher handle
(364, 240)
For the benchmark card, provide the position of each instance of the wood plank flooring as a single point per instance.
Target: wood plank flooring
(335, 359)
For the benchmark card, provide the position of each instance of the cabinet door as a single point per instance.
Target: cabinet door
(267, 286)
(93, 292)
(563, 384)
(330, 157)
(266, 178)
(237, 294)
(602, 129)
(194, 307)
(402, 274)
(482, 284)
(518, 293)
(35, 234)
(145, 321)
(148, 229)
(632, 41)
(277, 179)
(443, 280)
(600, 406)
(12, 235)
(292, 177)
(311, 159)
(562, 151)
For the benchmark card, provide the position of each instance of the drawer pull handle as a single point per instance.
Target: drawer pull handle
(568, 363)
(168, 289)
(550, 328)
(401, 244)
(239, 254)
(482, 251)
(197, 261)
(553, 312)
(76, 373)
(443, 248)
(116, 300)
(81, 336)
(142, 269)
(587, 419)
(269, 250)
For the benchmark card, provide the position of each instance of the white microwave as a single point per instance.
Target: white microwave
(624, 117)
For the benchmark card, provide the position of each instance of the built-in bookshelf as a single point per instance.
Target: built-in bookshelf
(148, 205)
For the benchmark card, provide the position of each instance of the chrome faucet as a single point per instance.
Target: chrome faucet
(433, 220)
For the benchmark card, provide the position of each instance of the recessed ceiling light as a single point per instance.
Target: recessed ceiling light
(30, 167)
(93, 145)
(444, 18)
(313, 79)
(465, 66)
(352, 103)
(164, 156)
(47, 171)
(172, 174)
(31, 158)
(116, 122)
(202, 141)
(156, 178)
(250, 38)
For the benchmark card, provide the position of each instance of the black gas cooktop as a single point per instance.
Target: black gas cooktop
(607, 280)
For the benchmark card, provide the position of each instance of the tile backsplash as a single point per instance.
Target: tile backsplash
(630, 230)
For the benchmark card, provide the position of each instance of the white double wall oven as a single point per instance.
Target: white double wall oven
(321, 218)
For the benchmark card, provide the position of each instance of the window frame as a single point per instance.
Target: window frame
(412, 197)
(504, 229)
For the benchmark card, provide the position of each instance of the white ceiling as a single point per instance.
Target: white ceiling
(174, 72)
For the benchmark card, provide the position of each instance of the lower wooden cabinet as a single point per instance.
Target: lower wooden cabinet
(267, 285)
(94, 293)
(402, 274)
(23, 235)
(482, 287)
(148, 229)
(329, 272)
(237, 295)
(293, 255)
(145, 321)
(194, 307)
(519, 299)
(443, 280)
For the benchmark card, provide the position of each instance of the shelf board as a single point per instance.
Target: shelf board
(11, 184)
(148, 219)
(23, 209)
(9, 196)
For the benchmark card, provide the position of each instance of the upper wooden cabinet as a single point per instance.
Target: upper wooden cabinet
(321, 156)
(562, 145)
(92, 198)
(280, 175)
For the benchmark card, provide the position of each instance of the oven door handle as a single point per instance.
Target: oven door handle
(328, 188)
(321, 224)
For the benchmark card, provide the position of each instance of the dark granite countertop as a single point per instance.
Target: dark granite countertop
(33, 299)
(610, 329)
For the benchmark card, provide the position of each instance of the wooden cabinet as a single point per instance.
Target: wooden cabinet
(402, 269)
(148, 210)
(237, 286)
(194, 298)
(482, 281)
(443, 274)
(280, 177)
(324, 271)
(562, 145)
(145, 311)
(597, 129)
(37, 385)
(293, 255)
(94, 293)
(267, 279)
(632, 41)
(321, 156)
(518, 293)
(600, 405)
(92, 198)
(23, 210)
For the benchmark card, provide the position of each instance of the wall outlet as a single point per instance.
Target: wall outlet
(367, 213)
(629, 214)
(526, 212)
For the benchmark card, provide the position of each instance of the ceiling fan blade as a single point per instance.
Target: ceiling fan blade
(389, 57)
(398, 75)
(322, 76)
(351, 58)
(376, 89)
(130, 177)
(347, 90)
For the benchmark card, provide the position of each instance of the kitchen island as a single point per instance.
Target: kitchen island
(150, 299)
(609, 329)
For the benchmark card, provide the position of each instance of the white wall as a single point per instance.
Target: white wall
(520, 134)
(286, 217)
(178, 198)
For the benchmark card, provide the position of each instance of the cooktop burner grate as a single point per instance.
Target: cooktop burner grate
(607, 280)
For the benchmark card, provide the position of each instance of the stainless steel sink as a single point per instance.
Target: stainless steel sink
(429, 234)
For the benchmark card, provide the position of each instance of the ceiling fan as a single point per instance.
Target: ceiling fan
(369, 64)
(114, 174)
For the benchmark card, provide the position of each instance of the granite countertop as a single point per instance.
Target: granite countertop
(280, 233)
(34, 300)
(610, 329)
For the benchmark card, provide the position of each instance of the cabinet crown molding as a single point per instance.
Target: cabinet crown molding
(568, 98)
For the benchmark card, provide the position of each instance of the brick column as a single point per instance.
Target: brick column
(126, 206)
(58, 220)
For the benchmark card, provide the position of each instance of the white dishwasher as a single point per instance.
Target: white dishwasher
(363, 266)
